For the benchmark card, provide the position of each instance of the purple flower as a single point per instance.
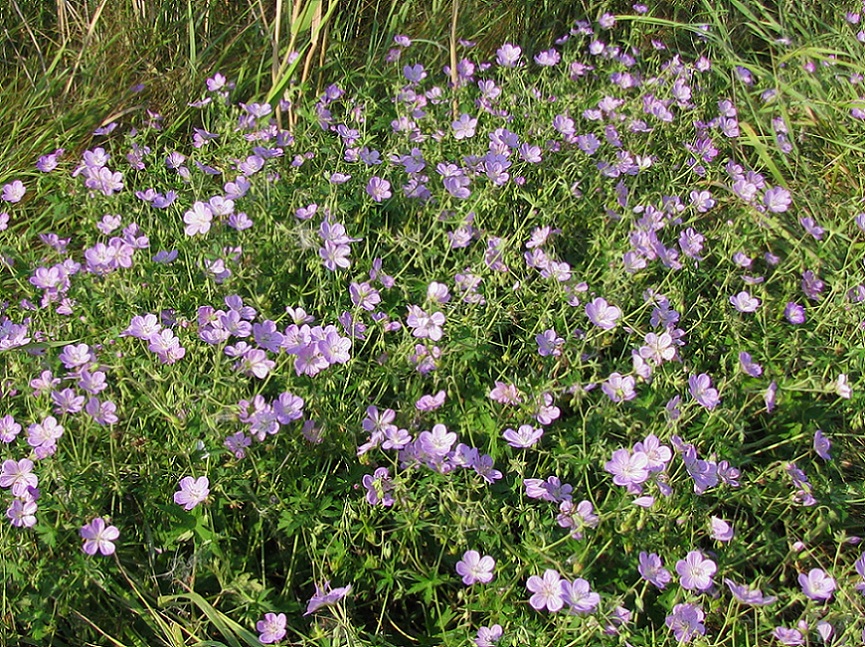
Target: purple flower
(822, 445)
(271, 628)
(826, 631)
(335, 255)
(651, 569)
(198, 219)
(76, 356)
(488, 636)
(19, 476)
(508, 55)
(192, 492)
(548, 591)
(43, 436)
(788, 636)
(363, 295)
(549, 343)
(548, 58)
(464, 127)
(619, 388)
(842, 387)
(22, 513)
(577, 517)
(811, 226)
(744, 302)
(721, 530)
(9, 429)
(438, 292)
(701, 390)
(859, 565)
(103, 413)
(425, 326)
(777, 199)
(748, 595)
(13, 192)
(803, 495)
(748, 366)
(794, 313)
(817, 585)
(812, 286)
(430, 402)
(378, 487)
(578, 595)
(378, 189)
(691, 243)
(473, 568)
(505, 394)
(602, 314)
(237, 444)
(98, 537)
(48, 163)
(483, 465)
(524, 437)
(658, 348)
(325, 596)
(686, 622)
(437, 442)
(628, 470)
(770, 395)
(695, 571)
(545, 410)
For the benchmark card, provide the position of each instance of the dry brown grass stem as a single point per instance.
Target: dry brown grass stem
(91, 28)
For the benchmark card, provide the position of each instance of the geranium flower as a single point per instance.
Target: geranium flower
(192, 491)
(817, 585)
(548, 591)
(695, 571)
(98, 536)
(271, 628)
(473, 568)
(602, 314)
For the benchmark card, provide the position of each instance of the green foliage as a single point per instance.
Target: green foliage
(295, 512)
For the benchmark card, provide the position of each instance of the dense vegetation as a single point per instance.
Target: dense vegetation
(546, 343)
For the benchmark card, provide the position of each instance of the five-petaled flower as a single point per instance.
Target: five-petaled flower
(602, 314)
(475, 568)
(192, 491)
(271, 628)
(548, 591)
(696, 571)
(817, 585)
(98, 536)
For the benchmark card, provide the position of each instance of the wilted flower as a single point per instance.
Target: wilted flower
(325, 596)
(748, 595)
(822, 445)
